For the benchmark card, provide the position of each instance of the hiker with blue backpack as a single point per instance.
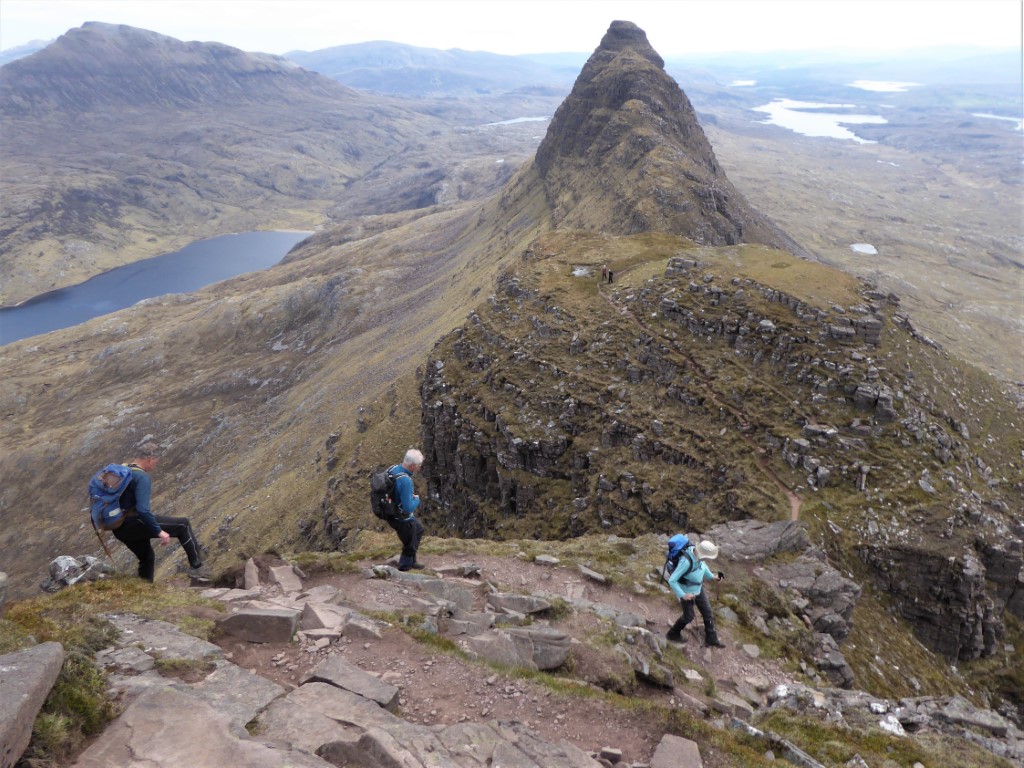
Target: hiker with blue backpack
(119, 501)
(688, 572)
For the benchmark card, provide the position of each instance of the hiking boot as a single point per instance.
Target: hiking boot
(417, 566)
(200, 573)
(675, 637)
(714, 642)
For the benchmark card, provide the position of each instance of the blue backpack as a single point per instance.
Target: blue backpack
(677, 546)
(105, 489)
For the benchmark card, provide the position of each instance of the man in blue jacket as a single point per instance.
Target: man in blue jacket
(141, 525)
(687, 583)
(408, 528)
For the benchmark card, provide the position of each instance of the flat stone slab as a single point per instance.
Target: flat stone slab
(453, 593)
(26, 678)
(467, 745)
(238, 693)
(676, 752)
(161, 639)
(316, 714)
(525, 604)
(340, 673)
(169, 729)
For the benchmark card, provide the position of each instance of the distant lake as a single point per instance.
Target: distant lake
(193, 267)
(807, 118)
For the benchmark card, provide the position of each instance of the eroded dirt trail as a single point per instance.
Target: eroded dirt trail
(444, 687)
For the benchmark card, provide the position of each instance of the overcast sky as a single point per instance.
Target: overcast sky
(674, 27)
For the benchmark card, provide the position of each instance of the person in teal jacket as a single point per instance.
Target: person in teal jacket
(687, 583)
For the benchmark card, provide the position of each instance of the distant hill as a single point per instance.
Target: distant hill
(406, 70)
(21, 51)
(120, 143)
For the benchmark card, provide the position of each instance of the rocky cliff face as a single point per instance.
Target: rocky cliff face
(625, 153)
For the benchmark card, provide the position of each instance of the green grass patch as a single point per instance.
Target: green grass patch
(187, 670)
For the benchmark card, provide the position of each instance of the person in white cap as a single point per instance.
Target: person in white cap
(687, 583)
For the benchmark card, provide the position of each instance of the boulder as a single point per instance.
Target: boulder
(546, 648)
(26, 678)
(446, 590)
(341, 674)
(526, 604)
(676, 752)
(285, 577)
(261, 625)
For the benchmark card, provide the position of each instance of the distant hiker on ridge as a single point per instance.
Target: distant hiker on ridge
(408, 528)
(687, 583)
(122, 492)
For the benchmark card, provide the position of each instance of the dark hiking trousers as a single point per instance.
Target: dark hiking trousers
(704, 606)
(409, 531)
(135, 535)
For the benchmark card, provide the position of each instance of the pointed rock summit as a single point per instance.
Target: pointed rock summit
(625, 153)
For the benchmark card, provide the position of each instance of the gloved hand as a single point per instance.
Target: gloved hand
(721, 576)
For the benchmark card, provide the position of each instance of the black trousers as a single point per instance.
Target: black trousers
(135, 535)
(409, 533)
(704, 606)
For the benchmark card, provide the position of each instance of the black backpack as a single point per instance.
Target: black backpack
(383, 500)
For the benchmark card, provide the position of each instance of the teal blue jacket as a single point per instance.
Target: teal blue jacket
(692, 582)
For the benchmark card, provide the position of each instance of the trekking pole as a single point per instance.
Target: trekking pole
(104, 545)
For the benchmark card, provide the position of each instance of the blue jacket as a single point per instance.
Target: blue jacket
(137, 496)
(694, 580)
(403, 487)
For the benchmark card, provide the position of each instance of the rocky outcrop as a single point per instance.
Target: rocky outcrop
(26, 678)
(947, 715)
(756, 540)
(625, 153)
(65, 571)
(945, 598)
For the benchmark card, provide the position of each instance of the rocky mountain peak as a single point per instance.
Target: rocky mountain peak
(625, 153)
(622, 35)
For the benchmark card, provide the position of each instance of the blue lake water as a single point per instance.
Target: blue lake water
(193, 267)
